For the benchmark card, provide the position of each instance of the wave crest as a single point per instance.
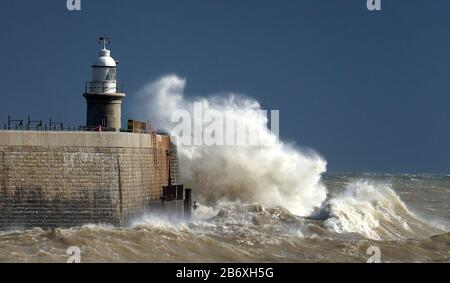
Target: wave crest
(375, 211)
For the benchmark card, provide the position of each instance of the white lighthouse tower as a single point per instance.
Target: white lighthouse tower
(104, 93)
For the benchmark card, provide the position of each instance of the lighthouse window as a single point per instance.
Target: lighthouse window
(111, 76)
(103, 121)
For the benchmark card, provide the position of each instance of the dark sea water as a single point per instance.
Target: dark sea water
(406, 217)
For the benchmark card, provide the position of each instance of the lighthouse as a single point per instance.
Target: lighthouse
(104, 93)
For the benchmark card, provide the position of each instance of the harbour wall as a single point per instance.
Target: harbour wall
(67, 179)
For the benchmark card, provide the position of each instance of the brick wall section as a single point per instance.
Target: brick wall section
(66, 186)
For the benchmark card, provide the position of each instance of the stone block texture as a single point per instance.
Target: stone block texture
(67, 186)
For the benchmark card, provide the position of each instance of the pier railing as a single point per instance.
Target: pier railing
(41, 125)
(56, 126)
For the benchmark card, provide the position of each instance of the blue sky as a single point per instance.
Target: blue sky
(369, 90)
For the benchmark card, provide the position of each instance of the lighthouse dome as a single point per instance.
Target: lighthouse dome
(105, 59)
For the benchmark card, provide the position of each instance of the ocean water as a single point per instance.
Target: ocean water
(268, 203)
(406, 216)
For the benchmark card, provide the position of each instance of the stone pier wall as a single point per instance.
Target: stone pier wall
(66, 179)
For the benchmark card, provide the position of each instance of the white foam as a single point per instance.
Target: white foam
(374, 210)
(275, 175)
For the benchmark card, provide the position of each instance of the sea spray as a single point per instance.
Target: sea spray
(273, 173)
